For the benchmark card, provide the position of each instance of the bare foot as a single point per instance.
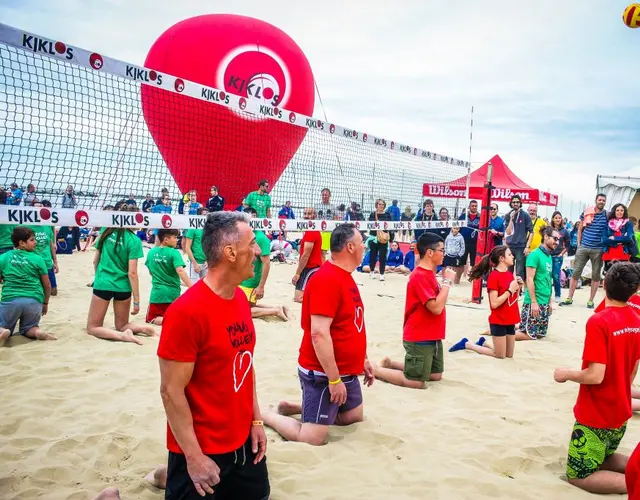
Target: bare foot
(149, 331)
(4, 335)
(40, 335)
(109, 494)
(286, 408)
(90, 284)
(128, 336)
(385, 362)
(283, 314)
(158, 477)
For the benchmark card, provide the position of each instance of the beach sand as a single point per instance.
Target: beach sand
(80, 414)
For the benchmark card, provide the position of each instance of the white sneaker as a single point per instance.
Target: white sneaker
(558, 300)
(382, 277)
(371, 275)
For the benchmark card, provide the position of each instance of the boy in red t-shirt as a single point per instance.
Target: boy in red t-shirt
(424, 320)
(609, 364)
(310, 257)
(333, 351)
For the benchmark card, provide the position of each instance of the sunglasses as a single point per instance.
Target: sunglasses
(494, 208)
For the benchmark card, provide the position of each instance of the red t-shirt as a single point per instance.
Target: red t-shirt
(315, 259)
(632, 475)
(613, 339)
(634, 302)
(219, 337)
(333, 293)
(507, 313)
(420, 324)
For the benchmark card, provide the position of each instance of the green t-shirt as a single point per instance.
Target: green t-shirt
(638, 242)
(195, 235)
(260, 202)
(112, 273)
(265, 249)
(5, 235)
(165, 282)
(543, 280)
(44, 236)
(21, 271)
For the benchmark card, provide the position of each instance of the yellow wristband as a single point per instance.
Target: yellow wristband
(257, 422)
(335, 382)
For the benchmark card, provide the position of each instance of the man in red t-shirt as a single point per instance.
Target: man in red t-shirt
(609, 364)
(334, 348)
(215, 435)
(424, 320)
(310, 257)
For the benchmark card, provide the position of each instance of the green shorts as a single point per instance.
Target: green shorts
(589, 447)
(421, 360)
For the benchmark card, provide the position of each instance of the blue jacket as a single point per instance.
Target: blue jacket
(394, 212)
(410, 260)
(286, 213)
(395, 259)
(497, 224)
(627, 239)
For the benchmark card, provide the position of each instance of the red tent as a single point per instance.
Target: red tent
(505, 185)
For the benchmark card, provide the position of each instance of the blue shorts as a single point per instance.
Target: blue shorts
(26, 310)
(52, 278)
(317, 407)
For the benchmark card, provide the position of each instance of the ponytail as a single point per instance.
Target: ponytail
(481, 268)
(492, 259)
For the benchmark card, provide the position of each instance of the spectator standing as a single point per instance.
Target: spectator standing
(593, 222)
(406, 216)
(15, 195)
(69, 200)
(380, 247)
(192, 206)
(470, 233)
(425, 215)
(215, 203)
(260, 200)
(325, 210)
(496, 227)
(147, 204)
(557, 255)
(618, 239)
(535, 239)
(518, 226)
(286, 212)
(131, 201)
(30, 196)
(163, 192)
(443, 216)
(394, 211)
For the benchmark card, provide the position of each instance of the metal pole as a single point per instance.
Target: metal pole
(466, 201)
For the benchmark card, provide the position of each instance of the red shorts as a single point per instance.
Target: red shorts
(156, 311)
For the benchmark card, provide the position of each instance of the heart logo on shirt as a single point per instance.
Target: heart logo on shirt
(358, 319)
(241, 367)
(513, 298)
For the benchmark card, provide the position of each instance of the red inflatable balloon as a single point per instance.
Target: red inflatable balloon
(206, 144)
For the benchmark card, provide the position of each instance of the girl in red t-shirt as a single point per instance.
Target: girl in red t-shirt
(504, 291)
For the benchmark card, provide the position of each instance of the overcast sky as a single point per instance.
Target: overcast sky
(554, 84)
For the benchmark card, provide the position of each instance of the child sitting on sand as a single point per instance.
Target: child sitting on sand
(609, 364)
(166, 267)
(424, 321)
(25, 288)
(503, 290)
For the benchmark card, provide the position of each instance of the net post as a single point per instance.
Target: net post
(482, 245)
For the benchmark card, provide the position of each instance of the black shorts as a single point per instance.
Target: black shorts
(108, 295)
(502, 330)
(305, 275)
(452, 261)
(240, 478)
(470, 250)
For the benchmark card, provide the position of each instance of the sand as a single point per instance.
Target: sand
(80, 414)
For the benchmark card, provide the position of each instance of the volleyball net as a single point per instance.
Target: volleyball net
(116, 132)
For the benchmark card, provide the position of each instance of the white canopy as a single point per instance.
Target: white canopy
(617, 188)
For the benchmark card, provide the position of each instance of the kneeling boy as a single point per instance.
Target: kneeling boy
(609, 365)
(424, 321)
(166, 267)
(25, 288)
